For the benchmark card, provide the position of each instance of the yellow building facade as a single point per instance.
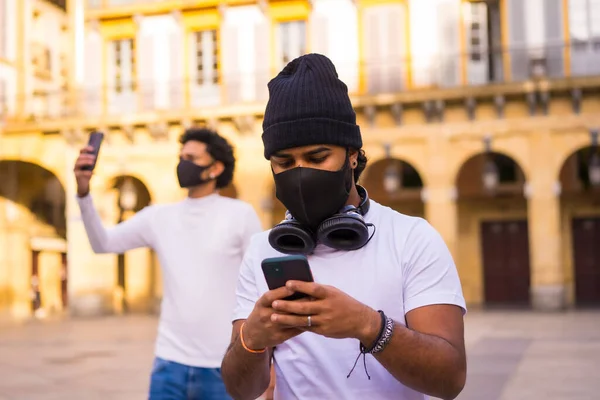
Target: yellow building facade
(479, 116)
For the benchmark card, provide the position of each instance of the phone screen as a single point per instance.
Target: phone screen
(279, 270)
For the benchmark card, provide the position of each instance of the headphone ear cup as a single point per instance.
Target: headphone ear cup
(343, 232)
(290, 237)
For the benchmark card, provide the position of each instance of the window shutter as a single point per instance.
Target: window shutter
(372, 51)
(319, 35)
(517, 41)
(176, 87)
(262, 71)
(579, 35)
(145, 70)
(231, 76)
(448, 74)
(3, 29)
(476, 29)
(553, 27)
(396, 45)
(93, 90)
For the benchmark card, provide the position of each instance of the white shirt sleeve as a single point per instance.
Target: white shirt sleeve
(251, 227)
(246, 293)
(131, 234)
(430, 275)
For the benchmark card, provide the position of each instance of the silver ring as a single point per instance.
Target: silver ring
(309, 321)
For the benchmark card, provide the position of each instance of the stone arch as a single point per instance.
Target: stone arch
(37, 189)
(144, 197)
(136, 270)
(473, 167)
(566, 146)
(412, 154)
(580, 221)
(492, 242)
(516, 149)
(33, 221)
(405, 191)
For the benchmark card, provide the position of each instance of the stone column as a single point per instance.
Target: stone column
(547, 275)
(441, 212)
(548, 290)
(91, 277)
(440, 193)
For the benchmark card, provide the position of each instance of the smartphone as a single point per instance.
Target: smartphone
(95, 142)
(279, 270)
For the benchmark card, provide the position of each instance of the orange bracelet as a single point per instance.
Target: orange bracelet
(244, 344)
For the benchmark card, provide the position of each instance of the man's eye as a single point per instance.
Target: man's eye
(286, 164)
(318, 160)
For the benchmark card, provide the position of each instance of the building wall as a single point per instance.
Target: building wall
(384, 61)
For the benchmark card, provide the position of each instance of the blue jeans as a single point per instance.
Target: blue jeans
(174, 381)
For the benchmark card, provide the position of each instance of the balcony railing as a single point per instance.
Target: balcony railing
(104, 4)
(440, 72)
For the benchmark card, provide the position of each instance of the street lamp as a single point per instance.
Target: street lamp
(392, 179)
(127, 195)
(594, 165)
(490, 173)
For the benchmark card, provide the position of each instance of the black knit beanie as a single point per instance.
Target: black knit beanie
(307, 105)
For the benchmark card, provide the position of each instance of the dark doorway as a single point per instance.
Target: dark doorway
(505, 253)
(586, 255)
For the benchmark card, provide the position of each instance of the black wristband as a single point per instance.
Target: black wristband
(363, 348)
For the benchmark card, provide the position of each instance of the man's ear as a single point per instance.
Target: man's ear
(217, 169)
(353, 158)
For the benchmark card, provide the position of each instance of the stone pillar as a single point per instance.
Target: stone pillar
(547, 277)
(91, 277)
(548, 290)
(440, 194)
(442, 214)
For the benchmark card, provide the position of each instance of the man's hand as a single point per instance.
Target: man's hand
(260, 331)
(81, 176)
(332, 313)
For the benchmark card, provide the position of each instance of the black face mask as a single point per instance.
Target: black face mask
(311, 195)
(190, 174)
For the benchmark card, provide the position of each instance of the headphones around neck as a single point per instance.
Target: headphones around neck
(345, 230)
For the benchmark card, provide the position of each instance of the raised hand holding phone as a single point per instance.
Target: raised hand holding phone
(86, 162)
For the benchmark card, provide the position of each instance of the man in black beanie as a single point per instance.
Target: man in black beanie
(393, 295)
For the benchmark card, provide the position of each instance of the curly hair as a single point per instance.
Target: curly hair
(362, 164)
(219, 149)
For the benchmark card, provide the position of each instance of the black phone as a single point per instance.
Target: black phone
(95, 142)
(279, 270)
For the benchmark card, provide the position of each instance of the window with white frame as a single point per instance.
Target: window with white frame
(206, 57)
(123, 56)
(291, 38)
(3, 28)
(585, 36)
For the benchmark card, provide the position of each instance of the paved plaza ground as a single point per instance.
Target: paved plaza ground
(512, 356)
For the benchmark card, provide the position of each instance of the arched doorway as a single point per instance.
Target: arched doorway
(395, 183)
(580, 220)
(136, 270)
(33, 258)
(493, 240)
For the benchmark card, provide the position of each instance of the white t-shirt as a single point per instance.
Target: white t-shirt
(406, 265)
(200, 244)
